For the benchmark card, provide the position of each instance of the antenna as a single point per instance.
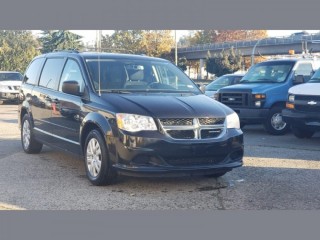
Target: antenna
(99, 32)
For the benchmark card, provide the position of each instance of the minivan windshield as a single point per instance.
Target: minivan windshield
(134, 75)
(268, 72)
(8, 76)
(315, 78)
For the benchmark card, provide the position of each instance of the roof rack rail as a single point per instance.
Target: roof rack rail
(66, 50)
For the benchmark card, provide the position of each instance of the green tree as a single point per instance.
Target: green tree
(17, 49)
(154, 43)
(228, 61)
(59, 40)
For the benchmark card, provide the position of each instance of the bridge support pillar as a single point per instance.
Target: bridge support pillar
(201, 69)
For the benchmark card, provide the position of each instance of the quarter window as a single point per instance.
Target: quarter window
(51, 73)
(31, 76)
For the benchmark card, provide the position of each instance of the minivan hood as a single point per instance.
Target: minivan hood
(167, 106)
(306, 89)
(252, 87)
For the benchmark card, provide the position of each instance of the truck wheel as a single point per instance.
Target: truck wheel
(29, 144)
(98, 167)
(301, 133)
(274, 123)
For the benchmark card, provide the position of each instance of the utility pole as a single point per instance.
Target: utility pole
(176, 47)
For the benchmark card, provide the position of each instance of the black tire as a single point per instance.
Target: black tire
(29, 144)
(274, 123)
(302, 133)
(106, 173)
(216, 175)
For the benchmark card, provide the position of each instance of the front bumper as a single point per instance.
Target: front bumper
(251, 115)
(309, 121)
(9, 95)
(157, 157)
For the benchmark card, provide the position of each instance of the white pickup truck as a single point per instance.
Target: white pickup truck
(10, 83)
(303, 107)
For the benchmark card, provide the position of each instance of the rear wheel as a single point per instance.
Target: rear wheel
(29, 144)
(98, 168)
(301, 133)
(274, 124)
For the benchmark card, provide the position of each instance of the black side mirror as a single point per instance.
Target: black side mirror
(298, 79)
(71, 87)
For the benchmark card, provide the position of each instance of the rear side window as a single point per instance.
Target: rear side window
(32, 73)
(51, 73)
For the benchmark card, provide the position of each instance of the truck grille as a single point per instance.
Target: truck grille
(235, 99)
(302, 103)
(193, 128)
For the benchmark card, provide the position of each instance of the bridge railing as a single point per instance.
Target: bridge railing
(250, 43)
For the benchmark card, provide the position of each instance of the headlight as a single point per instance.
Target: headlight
(135, 123)
(233, 121)
(259, 96)
(291, 98)
(216, 96)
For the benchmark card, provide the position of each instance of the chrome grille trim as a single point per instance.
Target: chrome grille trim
(196, 127)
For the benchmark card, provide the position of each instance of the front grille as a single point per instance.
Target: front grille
(235, 99)
(211, 121)
(195, 160)
(176, 121)
(193, 128)
(210, 133)
(307, 98)
(308, 108)
(181, 134)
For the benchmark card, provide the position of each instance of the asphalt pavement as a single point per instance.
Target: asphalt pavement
(279, 172)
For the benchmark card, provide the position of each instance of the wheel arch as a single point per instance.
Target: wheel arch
(96, 121)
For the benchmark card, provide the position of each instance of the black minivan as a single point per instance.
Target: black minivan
(126, 114)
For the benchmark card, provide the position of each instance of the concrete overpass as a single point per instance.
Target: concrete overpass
(265, 47)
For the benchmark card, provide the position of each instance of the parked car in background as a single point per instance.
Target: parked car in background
(220, 82)
(303, 108)
(10, 83)
(262, 93)
(127, 114)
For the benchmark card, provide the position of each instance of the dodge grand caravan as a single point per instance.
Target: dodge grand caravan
(126, 114)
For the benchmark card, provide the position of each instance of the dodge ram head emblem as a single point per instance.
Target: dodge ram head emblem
(312, 103)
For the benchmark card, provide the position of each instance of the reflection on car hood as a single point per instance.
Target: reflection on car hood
(173, 105)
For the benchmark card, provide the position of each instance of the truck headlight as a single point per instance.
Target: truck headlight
(135, 123)
(233, 121)
(259, 96)
(291, 98)
(216, 96)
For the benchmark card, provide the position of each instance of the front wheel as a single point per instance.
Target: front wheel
(98, 168)
(274, 123)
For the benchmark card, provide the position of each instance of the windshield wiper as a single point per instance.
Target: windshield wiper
(115, 91)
